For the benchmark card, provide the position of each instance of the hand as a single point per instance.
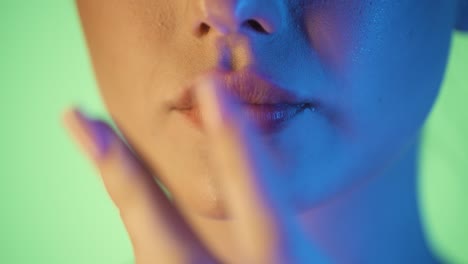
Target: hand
(264, 225)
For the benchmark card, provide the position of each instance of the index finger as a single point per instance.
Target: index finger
(261, 217)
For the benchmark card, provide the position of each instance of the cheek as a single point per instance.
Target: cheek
(386, 60)
(122, 61)
(136, 56)
(396, 78)
(331, 29)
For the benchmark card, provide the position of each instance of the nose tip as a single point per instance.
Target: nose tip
(224, 17)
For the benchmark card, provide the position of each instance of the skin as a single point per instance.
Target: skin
(345, 172)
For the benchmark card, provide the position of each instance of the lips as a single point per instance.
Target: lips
(264, 104)
(268, 118)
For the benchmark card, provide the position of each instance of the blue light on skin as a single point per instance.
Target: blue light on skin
(375, 66)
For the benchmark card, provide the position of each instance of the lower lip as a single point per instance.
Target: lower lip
(268, 118)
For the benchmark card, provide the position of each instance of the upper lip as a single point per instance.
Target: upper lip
(246, 87)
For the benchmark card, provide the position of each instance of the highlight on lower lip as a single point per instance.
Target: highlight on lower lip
(268, 118)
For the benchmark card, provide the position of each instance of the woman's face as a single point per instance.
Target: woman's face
(373, 67)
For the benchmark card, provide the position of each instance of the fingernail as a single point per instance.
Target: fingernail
(91, 136)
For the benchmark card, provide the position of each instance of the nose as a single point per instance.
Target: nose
(234, 16)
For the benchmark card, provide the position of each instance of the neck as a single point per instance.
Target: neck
(378, 221)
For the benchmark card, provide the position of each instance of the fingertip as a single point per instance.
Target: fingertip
(209, 103)
(219, 109)
(92, 136)
(67, 116)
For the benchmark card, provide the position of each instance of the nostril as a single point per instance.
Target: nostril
(255, 25)
(203, 29)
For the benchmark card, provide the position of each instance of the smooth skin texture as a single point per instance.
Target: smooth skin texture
(347, 173)
(264, 231)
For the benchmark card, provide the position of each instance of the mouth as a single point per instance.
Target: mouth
(263, 103)
(268, 118)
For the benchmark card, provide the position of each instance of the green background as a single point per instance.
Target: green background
(53, 207)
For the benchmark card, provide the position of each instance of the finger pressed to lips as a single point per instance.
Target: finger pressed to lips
(256, 204)
(262, 223)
